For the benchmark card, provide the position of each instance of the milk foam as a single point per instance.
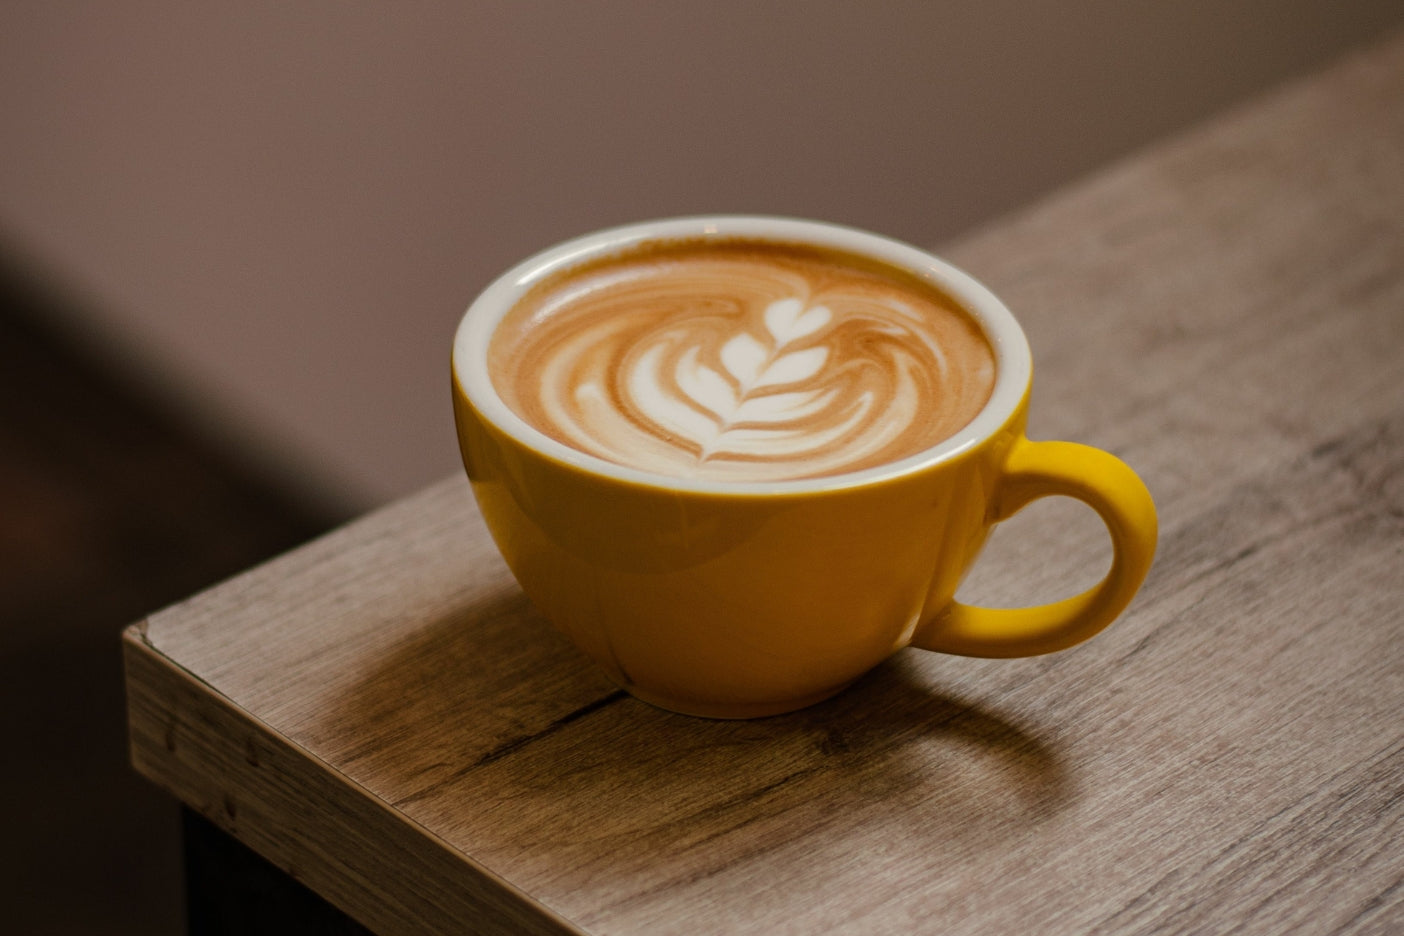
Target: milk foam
(744, 364)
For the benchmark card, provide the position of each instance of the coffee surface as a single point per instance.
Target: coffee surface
(742, 361)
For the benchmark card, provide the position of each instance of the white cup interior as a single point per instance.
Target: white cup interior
(1013, 364)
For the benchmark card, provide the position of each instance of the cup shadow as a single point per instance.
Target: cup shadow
(489, 728)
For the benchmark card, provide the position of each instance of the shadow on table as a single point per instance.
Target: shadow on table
(595, 783)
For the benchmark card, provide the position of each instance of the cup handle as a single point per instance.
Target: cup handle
(1108, 486)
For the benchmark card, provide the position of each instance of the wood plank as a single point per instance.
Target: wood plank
(366, 858)
(1226, 312)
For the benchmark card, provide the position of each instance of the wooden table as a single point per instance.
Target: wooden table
(381, 714)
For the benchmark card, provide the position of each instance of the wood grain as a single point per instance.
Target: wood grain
(382, 714)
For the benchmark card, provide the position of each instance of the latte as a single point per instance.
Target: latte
(741, 360)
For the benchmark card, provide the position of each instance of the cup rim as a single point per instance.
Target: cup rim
(1013, 361)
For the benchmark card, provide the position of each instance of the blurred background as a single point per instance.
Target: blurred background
(235, 241)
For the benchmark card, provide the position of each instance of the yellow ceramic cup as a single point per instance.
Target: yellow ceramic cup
(737, 600)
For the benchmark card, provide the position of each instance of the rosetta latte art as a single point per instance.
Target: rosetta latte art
(742, 365)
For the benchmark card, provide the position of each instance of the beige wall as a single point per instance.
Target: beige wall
(277, 211)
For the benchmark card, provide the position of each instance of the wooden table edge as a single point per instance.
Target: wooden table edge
(304, 816)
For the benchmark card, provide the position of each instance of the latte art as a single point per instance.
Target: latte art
(741, 362)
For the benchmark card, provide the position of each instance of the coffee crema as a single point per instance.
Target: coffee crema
(741, 361)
